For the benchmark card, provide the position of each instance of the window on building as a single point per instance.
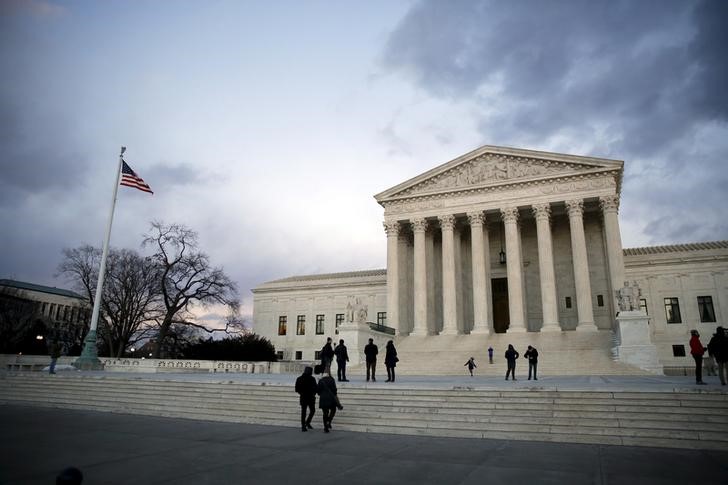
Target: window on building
(58, 312)
(282, 324)
(568, 302)
(678, 351)
(299, 354)
(705, 308)
(672, 310)
(279, 355)
(381, 318)
(52, 313)
(45, 308)
(339, 319)
(301, 325)
(317, 355)
(643, 306)
(600, 300)
(319, 324)
(66, 313)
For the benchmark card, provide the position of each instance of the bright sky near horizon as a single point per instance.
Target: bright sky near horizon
(267, 127)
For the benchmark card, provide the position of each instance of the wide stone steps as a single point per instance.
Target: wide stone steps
(680, 419)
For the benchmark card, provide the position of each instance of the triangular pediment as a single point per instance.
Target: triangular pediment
(492, 166)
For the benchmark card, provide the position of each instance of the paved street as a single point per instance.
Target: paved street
(128, 449)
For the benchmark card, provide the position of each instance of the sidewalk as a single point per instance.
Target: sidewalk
(127, 449)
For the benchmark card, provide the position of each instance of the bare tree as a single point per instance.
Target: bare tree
(186, 278)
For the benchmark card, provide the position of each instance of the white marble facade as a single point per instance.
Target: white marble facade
(498, 240)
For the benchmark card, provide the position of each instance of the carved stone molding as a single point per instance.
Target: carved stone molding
(476, 218)
(509, 214)
(391, 228)
(419, 224)
(447, 222)
(541, 211)
(575, 207)
(609, 203)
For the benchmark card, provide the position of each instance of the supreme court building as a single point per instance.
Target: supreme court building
(503, 241)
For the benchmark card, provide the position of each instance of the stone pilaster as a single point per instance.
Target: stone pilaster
(392, 230)
(449, 298)
(542, 213)
(514, 269)
(615, 256)
(419, 226)
(581, 266)
(480, 293)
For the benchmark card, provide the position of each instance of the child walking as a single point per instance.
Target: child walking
(471, 365)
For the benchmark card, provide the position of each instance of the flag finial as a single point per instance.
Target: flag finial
(123, 149)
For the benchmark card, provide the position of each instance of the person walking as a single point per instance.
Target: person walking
(697, 350)
(327, 355)
(390, 360)
(306, 387)
(54, 350)
(328, 399)
(342, 357)
(471, 365)
(511, 356)
(718, 346)
(490, 354)
(532, 356)
(370, 352)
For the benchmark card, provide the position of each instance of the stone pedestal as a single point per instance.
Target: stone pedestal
(356, 336)
(634, 346)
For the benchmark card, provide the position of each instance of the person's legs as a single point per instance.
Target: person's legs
(369, 368)
(338, 371)
(392, 374)
(325, 414)
(698, 368)
(530, 369)
(303, 417)
(343, 370)
(721, 371)
(52, 368)
(311, 412)
(389, 374)
(535, 368)
(374, 369)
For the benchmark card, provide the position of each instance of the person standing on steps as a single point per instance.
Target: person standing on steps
(697, 350)
(342, 357)
(719, 347)
(390, 360)
(370, 352)
(54, 350)
(490, 354)
(471, 365)
(327, 355)
(306, 387)
(511, 356)
(532, 356)
(328, 399)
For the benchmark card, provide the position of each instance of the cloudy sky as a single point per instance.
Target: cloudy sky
(267, 127)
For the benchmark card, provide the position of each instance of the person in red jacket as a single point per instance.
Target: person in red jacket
(697, 350)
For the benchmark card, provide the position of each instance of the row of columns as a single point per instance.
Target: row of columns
(514, 268)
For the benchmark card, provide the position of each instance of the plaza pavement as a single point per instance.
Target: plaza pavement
(115, 448)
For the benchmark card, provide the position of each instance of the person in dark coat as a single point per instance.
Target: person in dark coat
(511, 356)
(471, 365)
(342, 357)
(54, 350)
(490, 354)
(532, 356)
(370, 352)
(718, 346)
(390, 360)
(306, 387)
(697, 350)
(328, 399)
(327, 355)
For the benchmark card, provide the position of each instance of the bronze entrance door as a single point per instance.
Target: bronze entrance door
(500, 304)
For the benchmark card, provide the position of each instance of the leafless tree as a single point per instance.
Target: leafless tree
(187, 278)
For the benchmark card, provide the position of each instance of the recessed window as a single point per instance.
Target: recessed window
(568, 302)
(678, 351)
(672, 310)
(600, 300)
(301, 325)
(279, 355)
(299, 354)
(381, 318)
(643, 305)
(282, 324)
(339, 319)
(319, 324)
(705, 308)
(317, 355)
(45, 308)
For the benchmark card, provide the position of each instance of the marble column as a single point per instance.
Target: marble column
(392, 230)
(514, 271)
(542, 213)
(449, 298)
(585, 313)
(480, 293)
(615, 257)
(419, 226)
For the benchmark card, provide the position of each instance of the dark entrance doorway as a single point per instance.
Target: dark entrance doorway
(500, 304)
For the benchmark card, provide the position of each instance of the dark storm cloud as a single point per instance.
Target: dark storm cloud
(640, 81)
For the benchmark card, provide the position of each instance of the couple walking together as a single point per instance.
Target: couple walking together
(308, 388)
(390, 360)
(511, 356)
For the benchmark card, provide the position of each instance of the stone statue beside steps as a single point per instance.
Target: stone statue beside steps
(356, 312)
(628, 297)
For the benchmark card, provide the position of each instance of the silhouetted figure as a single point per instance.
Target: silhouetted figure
(490, 354)
(370, 352)
(54, 350)
(471, 365)
(532, 356)
(342, 357)
(327, 355)
(697, 350)
(70, 476)
(511, 356)
(718, 346)
(328, 399)
(306, 387)
(390, 360)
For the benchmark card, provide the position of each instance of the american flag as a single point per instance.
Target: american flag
(131, 179)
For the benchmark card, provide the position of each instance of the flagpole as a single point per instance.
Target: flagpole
(89, 358)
